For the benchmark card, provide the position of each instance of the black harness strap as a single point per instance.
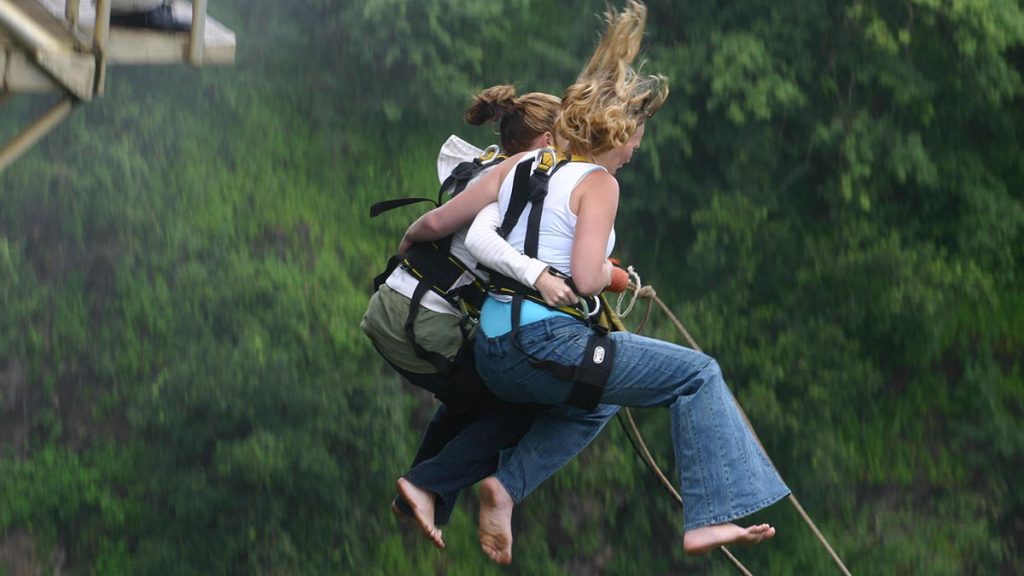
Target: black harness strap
(519, 199)
(443, 365)
(590, 377)
(455, 183)
(383, 206)
(437, 270)
(460, 370)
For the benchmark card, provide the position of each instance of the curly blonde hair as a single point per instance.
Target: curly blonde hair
(610, 99)
(520, 119)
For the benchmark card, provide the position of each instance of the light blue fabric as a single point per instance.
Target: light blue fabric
(496, 317)
(724, 473)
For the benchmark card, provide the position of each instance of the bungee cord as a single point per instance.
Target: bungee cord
(636, 438)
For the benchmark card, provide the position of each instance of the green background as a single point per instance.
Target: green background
(831, 200)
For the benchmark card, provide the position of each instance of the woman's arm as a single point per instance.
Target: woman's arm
(493, 251)
(596, 199)
(458, 212)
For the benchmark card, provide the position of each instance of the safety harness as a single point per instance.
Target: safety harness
(437, 270)
(588, 378)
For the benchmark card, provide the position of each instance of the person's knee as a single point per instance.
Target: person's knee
(712, 370)
(605, 410)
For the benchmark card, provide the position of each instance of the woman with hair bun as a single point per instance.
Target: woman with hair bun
(461, 444)
(724, 474)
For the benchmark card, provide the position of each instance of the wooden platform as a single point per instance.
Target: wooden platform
(155, 47)
(66, 63)
(44, 49)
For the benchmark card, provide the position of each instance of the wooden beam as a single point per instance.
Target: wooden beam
(140, 46)
(100, 39)
(50, 49)
(34, 133)
(27, 31)
(75, 71)
(71, 13)
(21, 74)
(197, 38)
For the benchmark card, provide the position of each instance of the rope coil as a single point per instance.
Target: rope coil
(635, 286)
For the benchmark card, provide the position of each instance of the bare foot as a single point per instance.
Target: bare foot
(707, 538)
(402, 516)
(421, 503)
(496, 521)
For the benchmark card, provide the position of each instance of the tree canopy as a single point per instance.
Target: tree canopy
(831, 200)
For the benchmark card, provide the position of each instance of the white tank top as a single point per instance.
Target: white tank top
(557, 222)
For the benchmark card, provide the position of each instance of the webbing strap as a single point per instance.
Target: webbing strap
(501, 284)
(538, 192)
(433, 264)
(385, 205)
(520, 197)
(469, 389)
(455, 183)
(443, 365)
(459, 178)
(590, 377)
(464, 172)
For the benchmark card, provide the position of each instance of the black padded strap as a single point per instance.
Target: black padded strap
(520, 197)
(591, 376)
(461, 175)
(538, 192)
(434, 266)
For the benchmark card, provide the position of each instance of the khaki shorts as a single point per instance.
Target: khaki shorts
(384, 323)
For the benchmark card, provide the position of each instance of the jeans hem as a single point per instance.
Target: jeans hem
(516, 497)
(723, 518)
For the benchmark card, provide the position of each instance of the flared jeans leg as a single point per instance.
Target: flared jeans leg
(724, 474)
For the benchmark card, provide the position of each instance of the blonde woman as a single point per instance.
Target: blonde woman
(723, 472)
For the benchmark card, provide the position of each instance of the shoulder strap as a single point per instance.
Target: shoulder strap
(527, 188)
(455, 182)
(461, 175)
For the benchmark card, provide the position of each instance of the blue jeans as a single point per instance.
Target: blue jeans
(724, 474)
(458, 449)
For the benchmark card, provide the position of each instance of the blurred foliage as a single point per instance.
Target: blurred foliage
(831, 200)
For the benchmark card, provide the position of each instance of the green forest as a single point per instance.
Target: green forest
(831, 200)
